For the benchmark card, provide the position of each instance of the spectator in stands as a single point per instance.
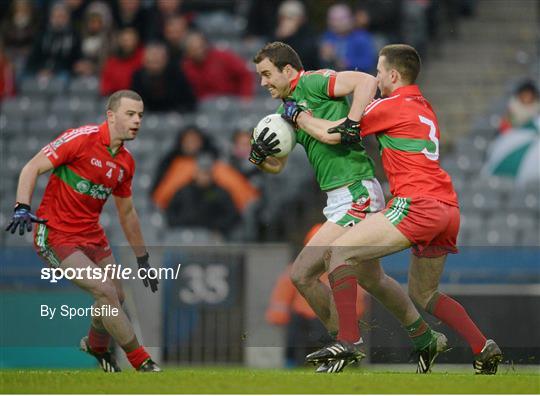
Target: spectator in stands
(522, 107)
(163, 10)
(175, 32)
(76, 10)
(95, 38)
(344, 47)
(118, 69)
(202, 203)
(57, 49)
(7, 75)
(212, 72)
(293, 29)
(190, 143)
(129, 13)
(178, 167)
(18, 31)
(382, 18)
(162, 85)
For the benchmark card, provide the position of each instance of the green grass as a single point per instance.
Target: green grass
(220, 380)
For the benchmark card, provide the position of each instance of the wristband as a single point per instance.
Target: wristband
(20, 205)
(143, 259)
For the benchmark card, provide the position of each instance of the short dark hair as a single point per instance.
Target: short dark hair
(404, 59)
(280, 54)
(527, 85)
(114, 100)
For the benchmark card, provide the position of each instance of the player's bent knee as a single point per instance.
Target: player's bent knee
(300, 279)
(340, 255)
(370, 282)
(106, 293)
(304, 273)
(420, 297)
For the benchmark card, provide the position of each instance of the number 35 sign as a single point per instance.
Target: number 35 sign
(209, 283)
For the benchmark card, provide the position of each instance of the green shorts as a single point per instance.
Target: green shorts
(349, 205)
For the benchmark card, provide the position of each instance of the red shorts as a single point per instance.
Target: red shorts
(430, 225)
(54, 246)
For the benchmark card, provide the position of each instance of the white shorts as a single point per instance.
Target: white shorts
(349, 205)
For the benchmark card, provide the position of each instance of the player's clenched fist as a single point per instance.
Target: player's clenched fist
(23, 218)
(349, 131)
(263, 147)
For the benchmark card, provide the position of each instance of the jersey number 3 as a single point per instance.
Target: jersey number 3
(432, 155)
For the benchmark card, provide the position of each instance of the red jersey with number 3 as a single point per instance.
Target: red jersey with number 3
(85, 173)
(408, 134)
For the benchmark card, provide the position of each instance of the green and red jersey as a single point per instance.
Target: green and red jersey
(85, 173)
(335, 165)
(408, 133)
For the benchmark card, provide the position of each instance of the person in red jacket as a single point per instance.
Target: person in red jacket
(119, 68)
(213, 72)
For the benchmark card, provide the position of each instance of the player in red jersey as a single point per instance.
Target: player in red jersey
(88, 164)
(423, 215)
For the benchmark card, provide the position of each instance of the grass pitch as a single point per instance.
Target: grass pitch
(220, 380)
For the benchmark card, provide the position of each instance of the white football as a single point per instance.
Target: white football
(283, 130)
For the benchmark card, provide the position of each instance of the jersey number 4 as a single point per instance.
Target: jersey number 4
(430, 154)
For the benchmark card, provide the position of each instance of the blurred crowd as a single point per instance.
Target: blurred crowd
(161, 49)
(140, 44)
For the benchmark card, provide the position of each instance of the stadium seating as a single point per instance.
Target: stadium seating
(43, 87)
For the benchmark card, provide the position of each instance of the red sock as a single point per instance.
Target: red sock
(137, 357)
(343, 283)
(98, 340)
(454, 315)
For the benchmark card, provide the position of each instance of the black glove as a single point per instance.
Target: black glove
(142, 262)
(349, 131)
(291, 111)
(263, 147)
(23, 218)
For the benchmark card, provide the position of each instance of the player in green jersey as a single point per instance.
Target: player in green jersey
(344, 172)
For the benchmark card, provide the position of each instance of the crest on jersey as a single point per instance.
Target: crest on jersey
(83, 186)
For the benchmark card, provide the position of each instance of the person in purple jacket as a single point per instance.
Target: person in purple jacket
(344, 47)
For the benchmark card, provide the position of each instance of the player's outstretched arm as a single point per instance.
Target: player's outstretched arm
(318, 128)
(363, 87)
(29, 174)
(22, 213)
